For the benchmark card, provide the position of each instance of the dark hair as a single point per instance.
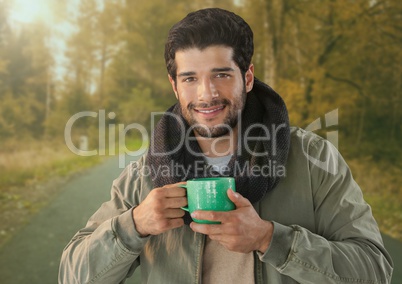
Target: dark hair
(208, 27)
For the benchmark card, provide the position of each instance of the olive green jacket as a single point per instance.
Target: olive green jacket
(324, 231)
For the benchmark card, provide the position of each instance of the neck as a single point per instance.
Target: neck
(219, 146)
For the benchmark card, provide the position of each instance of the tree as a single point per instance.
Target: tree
(24, 81)
(309, 51)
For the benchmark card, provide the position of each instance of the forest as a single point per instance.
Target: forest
(319, 55)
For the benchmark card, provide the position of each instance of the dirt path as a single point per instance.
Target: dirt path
(33, 255)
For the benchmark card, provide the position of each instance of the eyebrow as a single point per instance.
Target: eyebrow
(214, 70)
(185, 74)
(223, 69)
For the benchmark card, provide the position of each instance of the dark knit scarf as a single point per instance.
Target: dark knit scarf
(171, 160)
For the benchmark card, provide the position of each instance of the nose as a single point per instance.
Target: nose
(207, 90)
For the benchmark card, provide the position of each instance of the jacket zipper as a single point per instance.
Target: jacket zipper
(257, 269)
(201, 243)
(257, 263)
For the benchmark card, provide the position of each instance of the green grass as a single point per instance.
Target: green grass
(42, 161)
(19, 170)
(32, 174)
(381, 183)
(47, 164)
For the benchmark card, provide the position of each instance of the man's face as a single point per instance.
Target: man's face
(210, 89)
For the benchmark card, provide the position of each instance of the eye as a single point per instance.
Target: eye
(222, 75)
(189, 79)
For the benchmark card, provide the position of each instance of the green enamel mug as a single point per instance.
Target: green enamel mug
(209, 194)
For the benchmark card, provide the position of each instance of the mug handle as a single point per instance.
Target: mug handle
(185, 208)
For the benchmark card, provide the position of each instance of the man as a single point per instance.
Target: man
(299, 217)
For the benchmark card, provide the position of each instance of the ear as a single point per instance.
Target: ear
(174, 86)
(249, 78)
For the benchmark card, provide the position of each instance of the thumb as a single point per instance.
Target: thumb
(238, 199)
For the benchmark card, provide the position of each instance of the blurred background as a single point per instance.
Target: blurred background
(105, 57)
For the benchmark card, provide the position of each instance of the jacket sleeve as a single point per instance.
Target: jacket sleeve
(107, 249)
(346, 245)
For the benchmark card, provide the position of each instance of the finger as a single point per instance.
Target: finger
(206, 229)
(174, 191)
(220, 216)
(175, 202)
(174, 213)
(238, 199)
(176, 223)
(177, 184)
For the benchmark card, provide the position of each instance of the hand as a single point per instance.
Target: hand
(160, 211)
(241, 230)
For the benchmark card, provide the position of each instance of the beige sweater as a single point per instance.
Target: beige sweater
(223, 266)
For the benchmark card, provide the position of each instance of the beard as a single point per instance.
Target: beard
(230, 121)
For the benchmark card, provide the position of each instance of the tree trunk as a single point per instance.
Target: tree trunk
(395, 98)
(360, 127)
(273, 26)
(102, 69)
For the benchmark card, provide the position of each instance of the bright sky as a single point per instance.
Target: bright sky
(24, 12)
(27, 11)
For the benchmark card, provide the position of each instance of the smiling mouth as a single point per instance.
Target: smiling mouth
(210, 110)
